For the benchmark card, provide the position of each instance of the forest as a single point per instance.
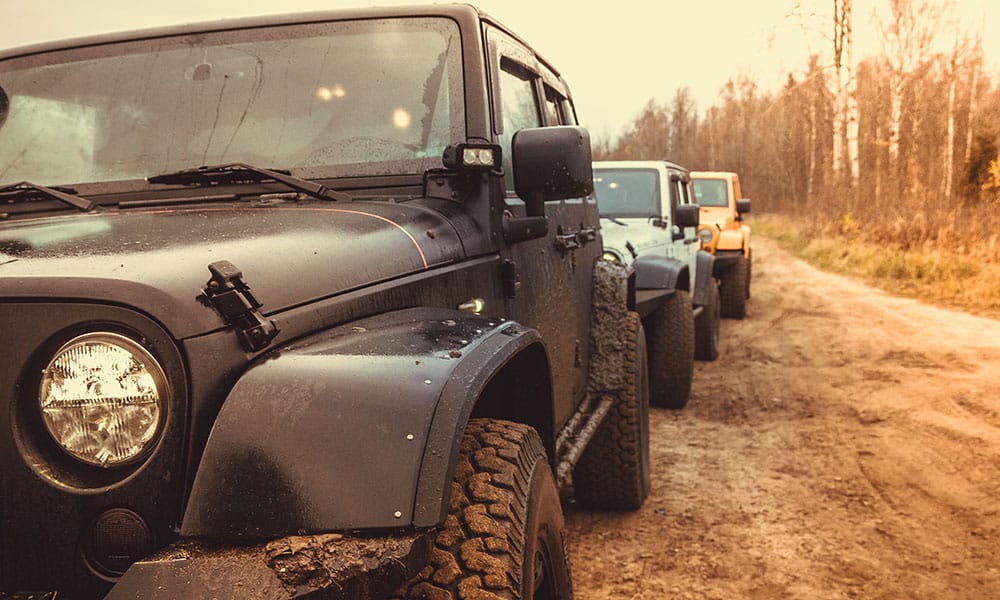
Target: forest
(897, 151)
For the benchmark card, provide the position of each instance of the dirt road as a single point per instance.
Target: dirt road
(845, 445)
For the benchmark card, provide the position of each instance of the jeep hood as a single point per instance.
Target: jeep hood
(715, 215)
(157, 261)
(644, 237)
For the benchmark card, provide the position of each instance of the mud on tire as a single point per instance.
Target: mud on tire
(613, 473)
(733, 289)
(670, 340)
(503, 537)
(706, 326)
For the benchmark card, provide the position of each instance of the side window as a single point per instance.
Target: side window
(569, 113)
(519, 107)
(675, 196)
(553, 107)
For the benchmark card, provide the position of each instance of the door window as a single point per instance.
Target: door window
(519, 110)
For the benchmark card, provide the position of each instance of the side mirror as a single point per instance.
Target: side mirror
(551, 163)
(743, 205)
(687, 215)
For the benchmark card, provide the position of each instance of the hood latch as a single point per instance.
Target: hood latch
(230, 296)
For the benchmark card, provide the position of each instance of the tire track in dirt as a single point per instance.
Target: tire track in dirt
(846, 444)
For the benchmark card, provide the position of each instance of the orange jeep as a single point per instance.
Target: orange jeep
(724, 234)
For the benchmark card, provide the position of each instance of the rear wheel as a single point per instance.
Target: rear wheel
(733, 289)
(706, 326)
(613, 473)
(670, 336)
(504, 536)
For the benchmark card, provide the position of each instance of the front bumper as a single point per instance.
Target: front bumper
(323, 566)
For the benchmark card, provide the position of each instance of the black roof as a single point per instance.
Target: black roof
(460, 12)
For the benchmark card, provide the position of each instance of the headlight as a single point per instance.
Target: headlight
(705, 235)
(102, 399)
(611, 257)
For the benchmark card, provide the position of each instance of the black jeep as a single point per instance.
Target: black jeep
(305, 306)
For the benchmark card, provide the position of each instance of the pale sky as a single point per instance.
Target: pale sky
(615, 55)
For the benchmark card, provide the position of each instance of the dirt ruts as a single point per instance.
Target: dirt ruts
(846, 444)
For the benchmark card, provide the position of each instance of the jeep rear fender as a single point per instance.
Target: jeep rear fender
(661, 273)
(347, 429)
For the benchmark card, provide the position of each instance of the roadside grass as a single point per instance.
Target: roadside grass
(932, 274)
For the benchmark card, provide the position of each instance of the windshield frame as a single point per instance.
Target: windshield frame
(260, 29)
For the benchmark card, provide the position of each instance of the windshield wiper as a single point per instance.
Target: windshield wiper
(26, 189)
(614, 220)
(243, 173)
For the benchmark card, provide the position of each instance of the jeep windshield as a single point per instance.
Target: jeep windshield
(710, 192)
(625, 193)
(350, 98)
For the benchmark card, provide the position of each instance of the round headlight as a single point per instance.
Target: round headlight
(610, 256)
(705, 235)
(102, 399)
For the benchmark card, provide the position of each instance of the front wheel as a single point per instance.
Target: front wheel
(733, 289)
(706, 326)
(504, 535)
(749, 270)
(670, 337)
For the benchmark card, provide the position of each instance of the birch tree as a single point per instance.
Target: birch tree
(846, 117)
(907, 37)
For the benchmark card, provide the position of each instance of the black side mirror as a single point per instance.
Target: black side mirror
(687, 215)
(551, 163)
(743, 205)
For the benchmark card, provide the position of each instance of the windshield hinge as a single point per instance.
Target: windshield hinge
(230, 296)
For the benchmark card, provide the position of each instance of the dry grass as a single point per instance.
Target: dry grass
(964, 275)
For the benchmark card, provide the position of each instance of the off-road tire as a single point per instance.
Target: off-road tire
(733, 289)
(613, 473)
(504, 522)
(749, 270)
(706, 326)
(670, 341)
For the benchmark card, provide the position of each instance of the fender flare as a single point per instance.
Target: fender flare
(661, 273)
(730, 239)
(703, 277)
(354, 428)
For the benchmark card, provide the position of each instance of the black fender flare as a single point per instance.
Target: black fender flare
(354, 428)
(661, 273)
(704, 276)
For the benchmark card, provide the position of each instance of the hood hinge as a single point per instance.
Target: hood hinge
(230, 296)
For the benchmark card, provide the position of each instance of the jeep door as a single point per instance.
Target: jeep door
(555, 272)
(684, 247)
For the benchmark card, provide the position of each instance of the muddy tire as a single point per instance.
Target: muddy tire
(749, 270)
(613, 473)
(503, 537)
(706, 326)
(733, 289)
(670, 341)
